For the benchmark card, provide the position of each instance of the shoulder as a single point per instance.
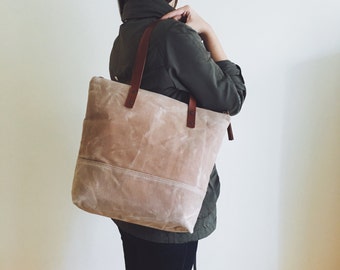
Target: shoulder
(172, 30)
(175, 39)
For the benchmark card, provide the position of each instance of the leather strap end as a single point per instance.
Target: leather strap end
(191, 117)
(131, 98)
(230, 133)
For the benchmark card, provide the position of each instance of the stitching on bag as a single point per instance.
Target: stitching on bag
(144, 175)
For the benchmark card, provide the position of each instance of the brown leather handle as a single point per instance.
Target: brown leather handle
(137, 74)
(230, 133)
(191, 118)
(139, 65)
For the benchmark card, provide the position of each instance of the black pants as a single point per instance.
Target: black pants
(144, 255)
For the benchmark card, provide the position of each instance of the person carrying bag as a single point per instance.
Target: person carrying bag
(184, 63)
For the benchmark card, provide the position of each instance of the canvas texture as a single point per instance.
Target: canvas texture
(144, 165)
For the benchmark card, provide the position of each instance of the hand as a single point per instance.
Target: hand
(190, 17)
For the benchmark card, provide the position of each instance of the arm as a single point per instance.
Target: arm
(214, 81)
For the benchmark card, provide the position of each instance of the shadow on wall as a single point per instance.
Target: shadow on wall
(310, 176)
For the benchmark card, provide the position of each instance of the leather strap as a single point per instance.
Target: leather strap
(139, 65)
(230, 133)
(191, 112)
(137, 74)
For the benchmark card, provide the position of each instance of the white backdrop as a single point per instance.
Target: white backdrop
(280, 199)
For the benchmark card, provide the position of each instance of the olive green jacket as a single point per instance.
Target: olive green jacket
(178, 65)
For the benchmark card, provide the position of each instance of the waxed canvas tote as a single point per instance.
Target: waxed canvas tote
(145, 159)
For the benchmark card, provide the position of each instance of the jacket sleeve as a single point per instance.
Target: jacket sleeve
(217, 86)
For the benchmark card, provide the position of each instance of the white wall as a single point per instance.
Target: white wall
(280, 199)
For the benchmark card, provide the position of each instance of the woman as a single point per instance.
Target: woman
(178, 64)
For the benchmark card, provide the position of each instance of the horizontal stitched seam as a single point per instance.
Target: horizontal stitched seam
(144, 175)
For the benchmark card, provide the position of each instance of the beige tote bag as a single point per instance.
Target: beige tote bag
(145, 160)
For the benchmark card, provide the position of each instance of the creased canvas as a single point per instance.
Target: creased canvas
(144, 165)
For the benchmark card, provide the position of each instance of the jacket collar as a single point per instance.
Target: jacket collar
(137, 9)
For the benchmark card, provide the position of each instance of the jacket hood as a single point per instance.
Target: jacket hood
(137, 9)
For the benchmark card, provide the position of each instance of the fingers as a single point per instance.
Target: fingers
(187, 15)
(177, 14)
